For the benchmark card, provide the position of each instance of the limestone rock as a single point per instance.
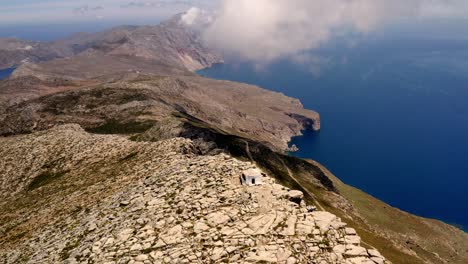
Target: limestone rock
(323, 220)
(355, 251)
(168, 205)
(200, 227)
(172, 236)
(294, 194)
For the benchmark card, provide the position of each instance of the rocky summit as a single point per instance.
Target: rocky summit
(163, 204)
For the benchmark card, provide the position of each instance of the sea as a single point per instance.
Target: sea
(394, 114)
(4, 73)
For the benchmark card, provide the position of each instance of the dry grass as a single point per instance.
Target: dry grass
(399, 236)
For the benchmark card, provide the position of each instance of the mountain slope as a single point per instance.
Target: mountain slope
(169, 45)
(139, 99)
(103, 198)
(400, 236)
(150, 150)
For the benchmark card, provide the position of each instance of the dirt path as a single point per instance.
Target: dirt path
(247, 149)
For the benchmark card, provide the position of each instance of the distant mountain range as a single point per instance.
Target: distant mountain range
(170, 47)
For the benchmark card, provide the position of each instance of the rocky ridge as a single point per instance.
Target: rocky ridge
(167, 205)
(170, 47)
(144, 99)
(14, 52)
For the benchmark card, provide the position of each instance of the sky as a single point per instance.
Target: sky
(260, 30)
(24, 12)
(47, 20)
(66, 11)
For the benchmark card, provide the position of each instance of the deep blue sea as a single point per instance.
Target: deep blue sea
(394, 113)
(5, 73)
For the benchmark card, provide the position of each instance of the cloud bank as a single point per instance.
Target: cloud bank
(265, 30)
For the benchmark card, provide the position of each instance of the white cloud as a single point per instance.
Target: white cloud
(197, 18)
(315, 64)
(264, 30)
(191, 15)
(156, 3)
(444, 8)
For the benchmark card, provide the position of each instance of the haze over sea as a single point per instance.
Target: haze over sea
(394, 114)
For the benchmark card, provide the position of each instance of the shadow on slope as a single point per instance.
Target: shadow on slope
(397, 234)
(211, 140)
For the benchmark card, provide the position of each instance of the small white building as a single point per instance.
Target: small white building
(251, 177)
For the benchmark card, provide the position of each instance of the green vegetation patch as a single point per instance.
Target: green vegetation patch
(65, 254)
(45, 178)
(117, 127)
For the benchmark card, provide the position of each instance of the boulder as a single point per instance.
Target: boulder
(355, 251)
(323, 220)
(173, 235)
(295, 194)
(200, 227)
(350, 231)
(217, 219)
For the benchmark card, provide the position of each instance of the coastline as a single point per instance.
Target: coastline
(359, 151)
(295, 154)
(301, 133)
(302, 148)
(305, 119)
(397, 233)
